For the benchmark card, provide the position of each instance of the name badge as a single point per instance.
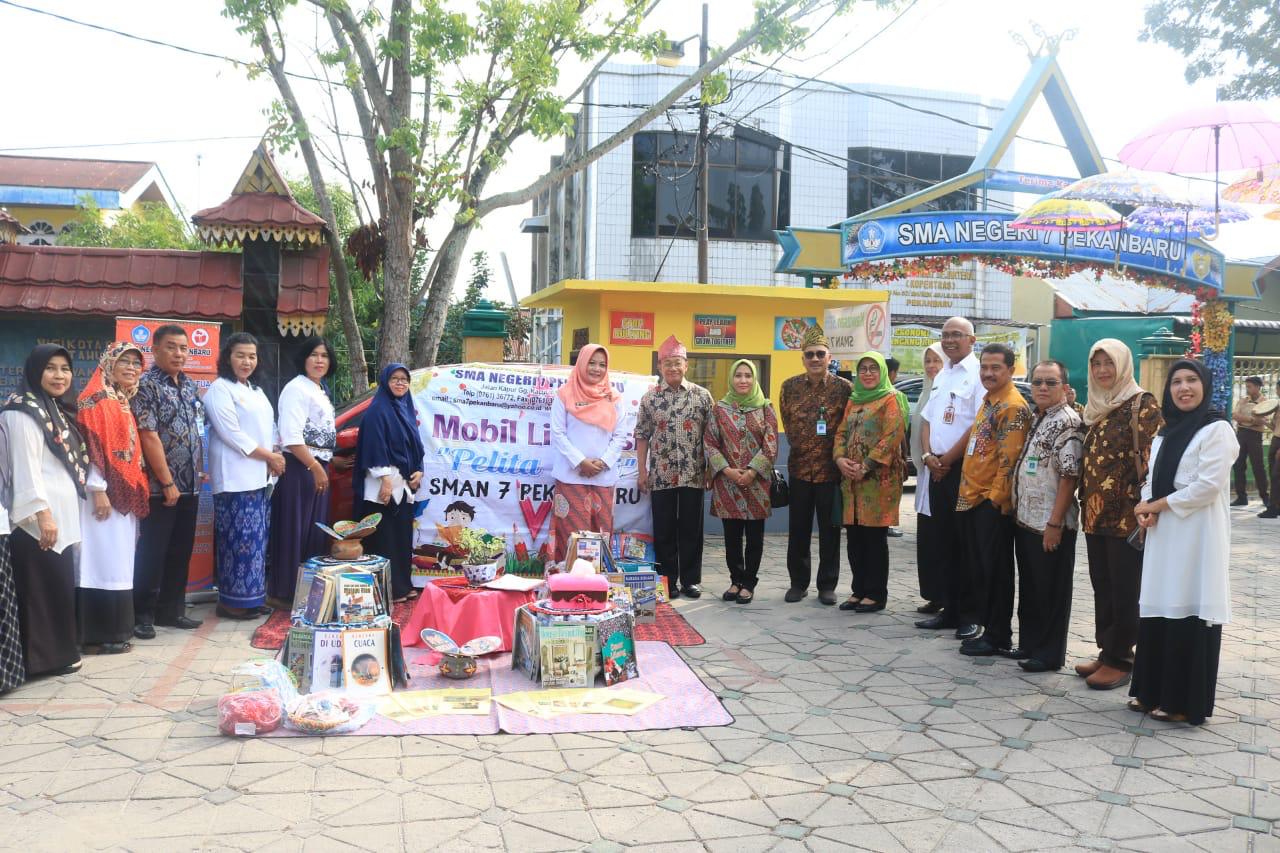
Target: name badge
(949, 413)
(973, 443)
(822, 427)
(1033, 465)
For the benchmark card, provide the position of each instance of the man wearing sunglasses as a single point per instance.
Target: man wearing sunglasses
(812, 406)
(947, 419)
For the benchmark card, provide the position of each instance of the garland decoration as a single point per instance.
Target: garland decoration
(1015, 265)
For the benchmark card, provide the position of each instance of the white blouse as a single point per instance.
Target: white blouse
(306, 417)
(40, 481)
(575, 440)
(1184, 562)
(240, 421)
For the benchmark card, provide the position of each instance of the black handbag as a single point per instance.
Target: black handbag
(779, 491)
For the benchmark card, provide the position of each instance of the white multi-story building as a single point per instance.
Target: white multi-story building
(784, 152)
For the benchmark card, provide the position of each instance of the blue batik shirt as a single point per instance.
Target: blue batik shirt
(171, 408)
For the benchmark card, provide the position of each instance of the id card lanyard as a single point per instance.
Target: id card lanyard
(949, 413)
(822, 420)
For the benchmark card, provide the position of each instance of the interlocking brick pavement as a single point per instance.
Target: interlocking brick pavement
(852, 731)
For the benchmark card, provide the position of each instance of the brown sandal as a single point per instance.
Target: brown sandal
(1162, 716)
(1135, 705)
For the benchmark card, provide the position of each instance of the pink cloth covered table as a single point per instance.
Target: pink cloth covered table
(479, 613)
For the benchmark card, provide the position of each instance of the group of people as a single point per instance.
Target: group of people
(99, 494)
(1001, 484)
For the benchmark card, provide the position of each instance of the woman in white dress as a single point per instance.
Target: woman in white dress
(242, 462)
(933, 585)
(117, 499)
(42, 477)
(1186, 595)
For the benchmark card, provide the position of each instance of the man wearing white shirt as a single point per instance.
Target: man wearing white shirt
(947, 419)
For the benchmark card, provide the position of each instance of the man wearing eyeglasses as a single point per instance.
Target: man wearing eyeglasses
(946, 421)
(812, 407)
(1046, 517)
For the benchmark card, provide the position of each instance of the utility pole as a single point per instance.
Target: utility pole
(704, 170)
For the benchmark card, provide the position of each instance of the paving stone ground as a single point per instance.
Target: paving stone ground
(852, 732)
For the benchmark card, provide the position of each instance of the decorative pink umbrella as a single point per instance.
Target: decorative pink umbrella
(1228, 135)
(1262, 187)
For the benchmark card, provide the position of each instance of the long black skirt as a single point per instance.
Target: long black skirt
(295, 509)
(46, 588)
(1176, 666)
(104, 615)
(12, 669)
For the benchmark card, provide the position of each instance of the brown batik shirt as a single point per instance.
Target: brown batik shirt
(1109, 482)
(802, 404)
(673, 421)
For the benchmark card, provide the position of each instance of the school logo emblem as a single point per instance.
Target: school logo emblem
(140, 334)
(871, 238)
(200, 337)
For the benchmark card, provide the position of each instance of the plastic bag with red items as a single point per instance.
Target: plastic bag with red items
(250, 713)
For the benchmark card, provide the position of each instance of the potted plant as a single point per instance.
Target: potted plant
(483, 550)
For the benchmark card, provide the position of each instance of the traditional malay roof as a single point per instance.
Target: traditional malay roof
(260, 205)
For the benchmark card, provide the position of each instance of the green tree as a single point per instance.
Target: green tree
(152, 226)
(1239, 37)
(450, 349)
(441, 95)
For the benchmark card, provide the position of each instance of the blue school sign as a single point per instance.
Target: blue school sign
(912, 235)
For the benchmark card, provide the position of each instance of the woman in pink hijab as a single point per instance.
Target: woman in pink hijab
(589, 431)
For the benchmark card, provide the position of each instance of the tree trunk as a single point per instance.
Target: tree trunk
(337, 256)
(440, 288)
(397, 262)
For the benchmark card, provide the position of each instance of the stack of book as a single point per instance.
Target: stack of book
(336, 592)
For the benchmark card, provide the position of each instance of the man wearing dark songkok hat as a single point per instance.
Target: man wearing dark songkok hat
(812, 406)
(671, 465)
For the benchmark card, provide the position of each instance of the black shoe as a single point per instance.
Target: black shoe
(793, 595)
(873, 607)
(1033, 665)
(930, 607)
(144, 631)
(673, 593)
(937, 623)
(1270, 513)
(691, 591)
(184, 622)
(827, 596)
(1240, 502)
(850, 604)
(265, 610)
(968, 632)
(978, 647)
(894, 533)
(1014, 653)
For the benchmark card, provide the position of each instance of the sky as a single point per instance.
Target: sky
(76, 91)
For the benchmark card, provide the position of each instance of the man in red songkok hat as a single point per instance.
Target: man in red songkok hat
(671, 465)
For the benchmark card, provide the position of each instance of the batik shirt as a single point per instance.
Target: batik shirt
(673, 421)
(1109, 484)
(171, 408)
(1052, 451)
(995, 440)
(802, 404)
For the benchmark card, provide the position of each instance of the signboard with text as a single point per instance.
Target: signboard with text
(856, 329)
(985, 233)
(715, 330)
(487, 433)
(631, 329)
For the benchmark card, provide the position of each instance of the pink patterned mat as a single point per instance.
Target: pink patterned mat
(688, 702)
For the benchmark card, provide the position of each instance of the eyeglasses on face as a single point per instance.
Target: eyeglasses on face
(812, 354)
(868, 368)
(398, 380)
(1048, 383)
(954, 335)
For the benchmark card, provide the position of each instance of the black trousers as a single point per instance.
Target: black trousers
(1250, 454)
(393, 539)
(165, 538)
(45, 590)
(988, 561)
(868, 549)
(744, 564)
(1115, 570)
(807, 500)
(940, 544)
(677, 534)
(1177, 666)
(1044, 595)
(1272, 454)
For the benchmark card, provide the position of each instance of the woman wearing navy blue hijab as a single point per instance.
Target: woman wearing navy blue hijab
(388, 470)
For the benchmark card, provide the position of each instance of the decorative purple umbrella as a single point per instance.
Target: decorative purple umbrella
(1193, 222)
(1228, 135)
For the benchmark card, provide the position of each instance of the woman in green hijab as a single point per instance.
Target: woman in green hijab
(868, 452)
(741, 443)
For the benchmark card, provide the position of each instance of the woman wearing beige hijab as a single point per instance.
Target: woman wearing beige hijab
(1122, 420)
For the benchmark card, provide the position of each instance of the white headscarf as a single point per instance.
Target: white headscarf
(1104, 401)
(917, 414)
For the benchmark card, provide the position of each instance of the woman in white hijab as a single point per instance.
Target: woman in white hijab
(1122, 420)
(933, 588)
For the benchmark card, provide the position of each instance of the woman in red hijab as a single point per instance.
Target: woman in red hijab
(588, 432)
